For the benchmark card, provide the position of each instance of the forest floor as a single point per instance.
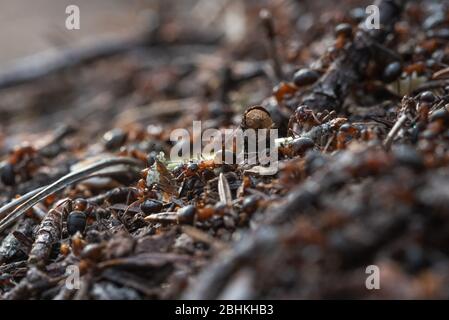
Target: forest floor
(92, 206)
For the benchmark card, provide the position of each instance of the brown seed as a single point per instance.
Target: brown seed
(256, 117)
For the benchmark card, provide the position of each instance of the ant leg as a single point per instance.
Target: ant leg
(132, 204)
(316, 118)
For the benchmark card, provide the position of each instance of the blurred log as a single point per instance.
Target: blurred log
(47, 62)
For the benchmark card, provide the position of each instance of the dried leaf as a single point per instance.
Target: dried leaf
(166, 179)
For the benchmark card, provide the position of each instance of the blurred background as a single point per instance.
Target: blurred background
(28, 27)
(130, 57)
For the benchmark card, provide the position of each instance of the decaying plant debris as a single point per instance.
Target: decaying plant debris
(363, 170)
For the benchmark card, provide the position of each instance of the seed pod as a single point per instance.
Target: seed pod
(114, 139)
(151, 206)
(256, 117)
(76, 221)
(343, 29)
(7, 175)
(305, 76)
(186, 215)
(392, 71)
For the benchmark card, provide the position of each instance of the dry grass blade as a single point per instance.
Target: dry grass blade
(224, 191)
(62, 183)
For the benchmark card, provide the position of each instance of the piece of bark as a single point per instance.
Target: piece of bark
(35, 282)
(48, 233)
(11, 248)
